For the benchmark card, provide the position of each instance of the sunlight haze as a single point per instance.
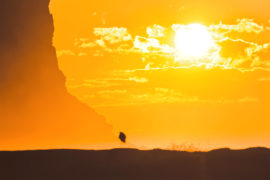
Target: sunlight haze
(170, 72)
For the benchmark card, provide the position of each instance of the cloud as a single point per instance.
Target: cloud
(65, 52)
(84, 43)
(94, 83)
(113, 39)
(155, 31)
(264, 79)
(163, 90)
(112, 92)
(234, 51)
(107, 82)
(244, 25)
(138, 80)
(160, 96)
(241, 53)
(90, 44)
(261, 54)
(113, 35)
(146, 44)
(157, 50)
(248, 100)
(151, 45)
(82, 54)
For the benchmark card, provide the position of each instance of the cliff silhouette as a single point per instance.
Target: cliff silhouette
(35, 108)
(132, 164)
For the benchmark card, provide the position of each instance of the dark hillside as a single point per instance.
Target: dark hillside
(128, 164)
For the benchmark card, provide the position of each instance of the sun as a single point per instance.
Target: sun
(193, 40)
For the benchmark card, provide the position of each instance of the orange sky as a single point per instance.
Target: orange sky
(120, 57)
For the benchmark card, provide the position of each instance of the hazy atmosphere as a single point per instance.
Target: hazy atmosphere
(170, 72)
(134, 90)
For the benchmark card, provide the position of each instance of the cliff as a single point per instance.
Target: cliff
(35, 108)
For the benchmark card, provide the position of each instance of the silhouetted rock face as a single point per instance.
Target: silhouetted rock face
(130, 164)
(35, 107)
(28, 61)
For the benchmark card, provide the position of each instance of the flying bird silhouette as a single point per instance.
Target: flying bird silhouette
(122, 137)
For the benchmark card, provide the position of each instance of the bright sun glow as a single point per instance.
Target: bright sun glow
(193, 40)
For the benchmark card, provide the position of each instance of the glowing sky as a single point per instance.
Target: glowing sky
(144, 66)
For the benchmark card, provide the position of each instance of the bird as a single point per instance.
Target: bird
(122, 137)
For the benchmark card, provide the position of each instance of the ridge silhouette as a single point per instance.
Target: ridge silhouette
(132, 164)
